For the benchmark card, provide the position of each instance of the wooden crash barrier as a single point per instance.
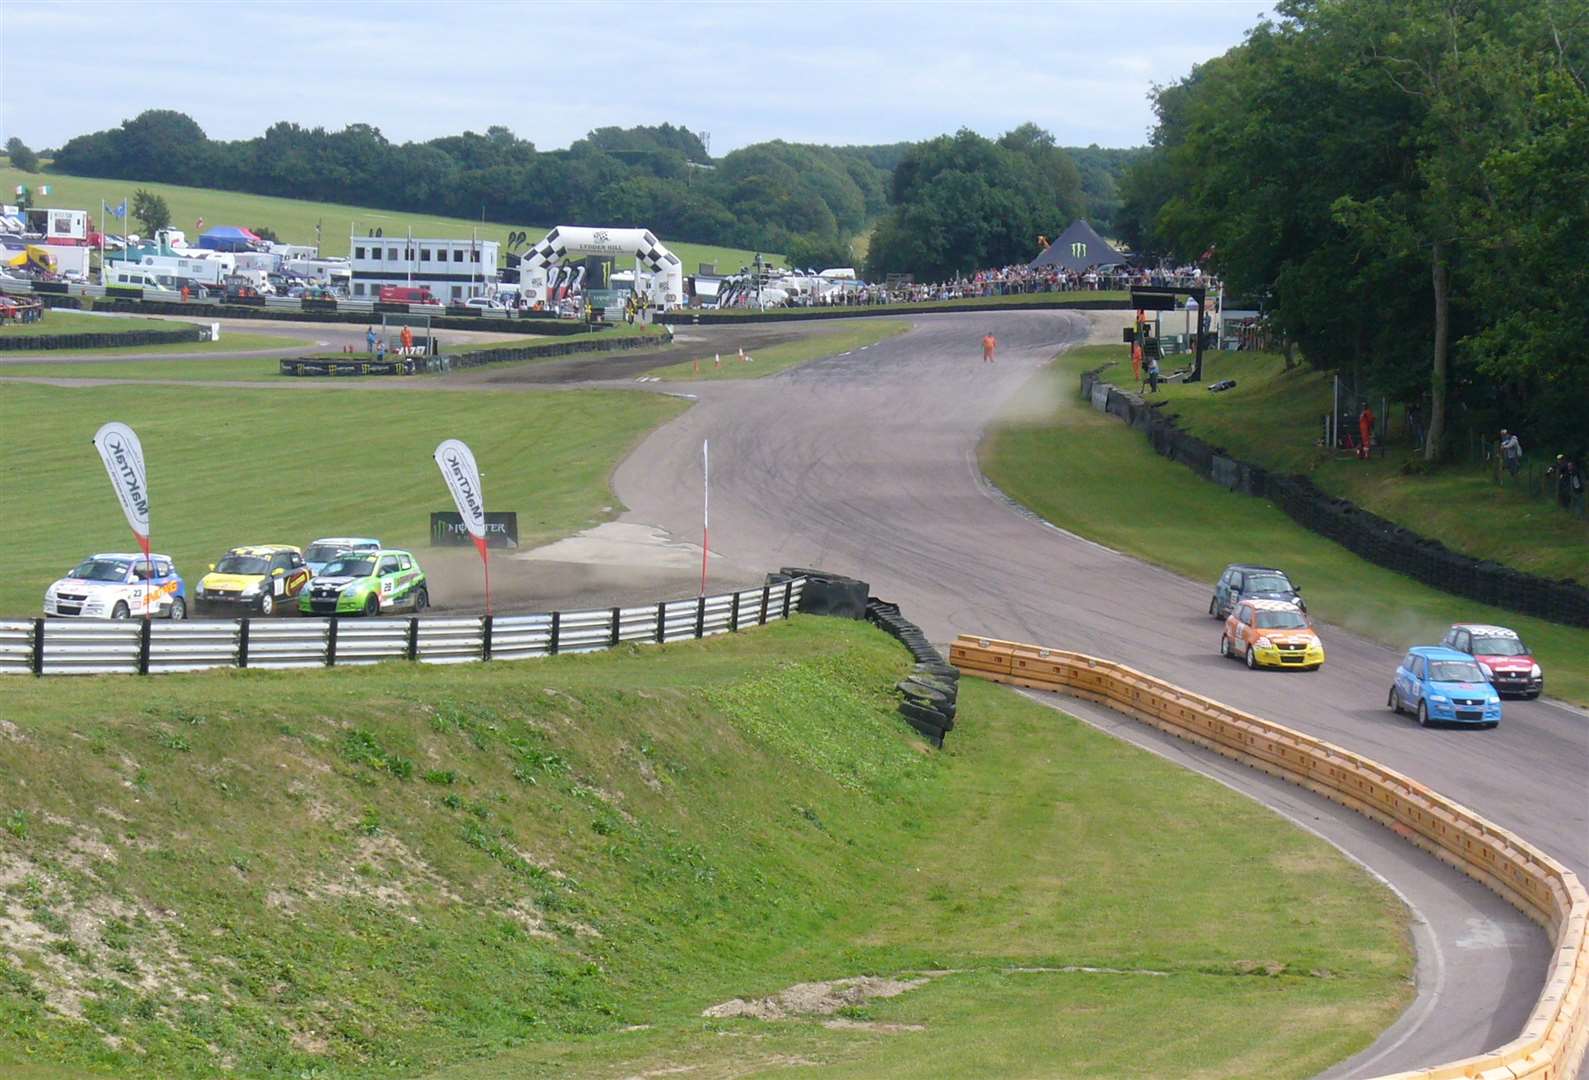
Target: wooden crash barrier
(1553, 1041)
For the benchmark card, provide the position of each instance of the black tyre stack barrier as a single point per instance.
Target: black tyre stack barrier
(1366, 535)
(46, 342)
(931, 691)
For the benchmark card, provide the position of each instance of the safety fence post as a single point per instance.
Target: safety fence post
(766, 591)
(788, 591)
(613, 643)
(733, 614)
(143, 646)
(700, 617)
(331, 643)
(242, 644)
(557, 619)
(38, 646)
(413, 638)
(662, 622)
(485, 636)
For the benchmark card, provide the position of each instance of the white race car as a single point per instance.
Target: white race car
(118, 585)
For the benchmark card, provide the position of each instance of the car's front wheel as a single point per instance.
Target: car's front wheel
(1252, 659)
(421, 600)
(267, 604)
(1213, 606)
(179, 609)
(120, 611)
(1423, 714)
(1224, 646)
(1393, 703)
(372, 606)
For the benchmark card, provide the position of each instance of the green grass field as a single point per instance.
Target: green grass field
(552, 867)
(1089, 473)
(294, 219)
(63, 321)
(285, 466)
(198, 369)
(1272, 417)
(776, 358)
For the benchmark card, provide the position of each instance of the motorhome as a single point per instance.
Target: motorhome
(206, 271)
(321, 271)
(147, 278)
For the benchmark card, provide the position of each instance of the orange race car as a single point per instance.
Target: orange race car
(1271, 633)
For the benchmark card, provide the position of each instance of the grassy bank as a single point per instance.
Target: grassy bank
(553, 867)
(295, 219)
(1272, 418)
(65, 321)
(1089, 473)
(282, 466)
(781, 357)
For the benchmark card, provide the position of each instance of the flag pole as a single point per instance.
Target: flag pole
(706, 512)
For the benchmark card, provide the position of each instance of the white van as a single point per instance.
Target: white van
(123, 276)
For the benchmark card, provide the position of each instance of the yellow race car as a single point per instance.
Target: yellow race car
(261, 579)
(1271, 633)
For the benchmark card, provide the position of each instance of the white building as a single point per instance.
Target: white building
(453, 270)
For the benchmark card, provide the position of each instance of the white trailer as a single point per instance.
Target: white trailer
(209, 270)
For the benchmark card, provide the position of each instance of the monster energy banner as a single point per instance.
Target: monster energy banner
(1078, 248)
(447, 529)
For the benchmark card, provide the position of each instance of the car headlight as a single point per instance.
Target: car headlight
(1534, 672)
(254, 589)
(1488, 674)
(1439, 699)
(1264, 643)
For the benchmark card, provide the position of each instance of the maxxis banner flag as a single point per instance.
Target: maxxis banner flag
(458, 469)
(122, 454)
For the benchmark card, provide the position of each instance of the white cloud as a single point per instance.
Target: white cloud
(814, 70)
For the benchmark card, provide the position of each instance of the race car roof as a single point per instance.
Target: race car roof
(370, 540)
(1484, 629)
(261, 549)
(1272, 605)
(130, 556)
(1439, 652)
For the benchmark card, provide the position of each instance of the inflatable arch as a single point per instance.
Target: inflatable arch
(659, 275)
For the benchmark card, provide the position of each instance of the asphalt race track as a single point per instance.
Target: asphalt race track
(866, 464)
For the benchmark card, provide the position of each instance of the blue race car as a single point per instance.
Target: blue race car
(1444, 686)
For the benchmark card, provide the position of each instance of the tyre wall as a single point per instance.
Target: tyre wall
(44, 342)
(1364, 534)
(1552, 1043)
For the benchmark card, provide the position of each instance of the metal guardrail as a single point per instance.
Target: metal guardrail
(152, 647)
(1552, 1043)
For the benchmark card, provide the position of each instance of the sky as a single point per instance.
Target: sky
(743, 72)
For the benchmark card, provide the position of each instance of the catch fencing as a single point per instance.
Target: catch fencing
(1552, 1043)
(1367, 535)
(153, 647)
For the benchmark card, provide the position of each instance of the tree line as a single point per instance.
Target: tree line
(933, 209)
(1405, 188)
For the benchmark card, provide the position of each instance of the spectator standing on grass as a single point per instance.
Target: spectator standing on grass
(1365, 429)
(380, 349)
(1569, 483)
(369, 339)
(1153, 373)
(407, 338)
(1511, 452)
(1136, 357)
(1415, 424)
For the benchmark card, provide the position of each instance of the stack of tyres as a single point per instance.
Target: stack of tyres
(931, 691)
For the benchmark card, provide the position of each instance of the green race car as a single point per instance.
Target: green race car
(367, 583)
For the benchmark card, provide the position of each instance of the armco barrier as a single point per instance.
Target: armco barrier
(1553, 1041)
(1360, 532)
(152, 647)
(709, 318)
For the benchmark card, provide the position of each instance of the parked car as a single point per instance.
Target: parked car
(259, 579)
(367, 583)
(1243, 581)
(485, 303)
(1501, 655)
(323, 550)
(1442, 685)
(1271, 633)
(119, 585)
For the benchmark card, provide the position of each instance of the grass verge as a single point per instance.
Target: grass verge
(555, 866)
(1272, 418)
(65, 321)
(279, 466)
(781, 357)
(211, 361)
(1089, 473)
(295, 219)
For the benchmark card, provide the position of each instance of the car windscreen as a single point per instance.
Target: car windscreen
(349, 568)
(1454, 671)
(1499, 646)
(250, 565)
(1281, 620)
(323, 552)
(99, 570)
(1267, 583)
